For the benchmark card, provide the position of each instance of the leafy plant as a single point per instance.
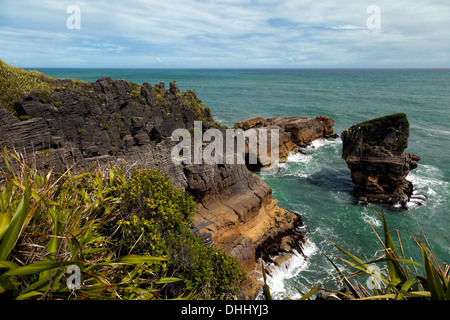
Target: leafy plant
(49, 222)
(130, 237)
(404, 279)
(135, 90)
(15, 81)
(156, 219)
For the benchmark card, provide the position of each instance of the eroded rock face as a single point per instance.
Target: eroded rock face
(375, 153)
(114, 122)
(294, 133)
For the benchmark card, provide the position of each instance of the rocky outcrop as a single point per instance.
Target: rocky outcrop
(294, 132)
(115, 122)
(375, 153)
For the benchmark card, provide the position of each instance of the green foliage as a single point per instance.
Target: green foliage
(202, 112)
(135, 90)
(400, 279)
(158, 95)
(401, 143)
(367, 148)
(130, 237)
(49, 222)
(156, 220)
(15, 81)
(101, 100)
(404, 279)
(398, 120)
(45, 97)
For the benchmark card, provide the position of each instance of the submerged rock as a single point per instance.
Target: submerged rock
(375, 153)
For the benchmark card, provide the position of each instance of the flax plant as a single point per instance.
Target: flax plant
(50, 221)
(404, 279)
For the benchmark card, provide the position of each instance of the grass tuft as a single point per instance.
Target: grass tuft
(15, 81)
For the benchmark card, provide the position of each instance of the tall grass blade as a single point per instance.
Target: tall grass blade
(5, 221)
(168, 280)
(394, 268)
(344, 278)
(434, 284)
(360, 264)
(130, 259)
(8, 284)
(405, 288)
(16, 226)
(307, 295)
(35, 268)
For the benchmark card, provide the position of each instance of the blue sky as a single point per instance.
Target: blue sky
(226, 34)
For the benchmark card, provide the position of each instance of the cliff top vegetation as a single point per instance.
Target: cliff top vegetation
(15, 81)
(390, 121)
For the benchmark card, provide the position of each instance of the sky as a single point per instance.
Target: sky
(225, 33)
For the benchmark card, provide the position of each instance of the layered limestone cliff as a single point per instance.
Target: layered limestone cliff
(115, 122)
(375, 153)
(293, 133)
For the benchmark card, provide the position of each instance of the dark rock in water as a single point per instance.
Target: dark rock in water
(375, 153)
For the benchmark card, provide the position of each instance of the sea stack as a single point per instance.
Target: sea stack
(375, 153)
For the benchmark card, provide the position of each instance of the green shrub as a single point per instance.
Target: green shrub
(390, 122)
(49, 222)
(156, 221)
(130, 237)
(401, 143)
(135, 90)
(202, 112)
(15, 81)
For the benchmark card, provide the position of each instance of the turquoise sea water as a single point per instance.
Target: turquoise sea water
(317, 183)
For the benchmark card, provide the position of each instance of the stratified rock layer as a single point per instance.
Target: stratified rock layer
(115, 122)
(294, 132)
(375, 153)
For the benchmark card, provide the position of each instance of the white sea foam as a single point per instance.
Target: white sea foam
(288, 269)
(308, 158)
(306, 155)
(429, 187)
(371, 218)
(445, 132)
(299, 157)
(324, 142)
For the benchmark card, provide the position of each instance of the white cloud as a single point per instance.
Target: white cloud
(348, 27)
(227, 33)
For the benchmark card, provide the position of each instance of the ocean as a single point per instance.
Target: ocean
(316, 183)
